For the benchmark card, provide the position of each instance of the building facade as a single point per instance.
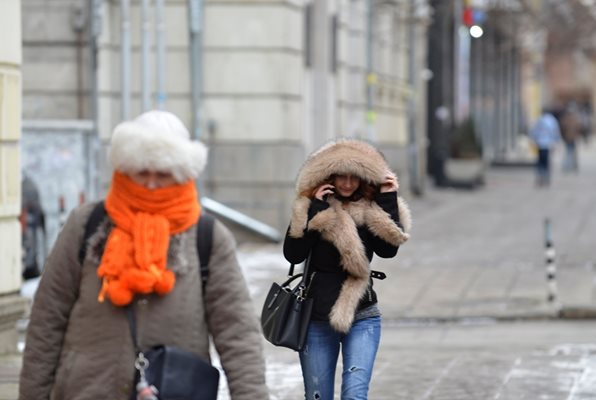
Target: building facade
(487, 59)
(269, 82)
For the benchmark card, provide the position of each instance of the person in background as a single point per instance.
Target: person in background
(33, 228)
(143, 255)
(346, 210)
(586, 116)
(571, 131)
(545, 133)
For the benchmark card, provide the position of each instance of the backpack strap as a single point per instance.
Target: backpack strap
(204, 237)
(205, 243)
(97, 215)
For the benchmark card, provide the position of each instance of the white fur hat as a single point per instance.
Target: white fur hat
(157, 141)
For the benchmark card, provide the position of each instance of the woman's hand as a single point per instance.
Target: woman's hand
(324, 190)
(389, 185)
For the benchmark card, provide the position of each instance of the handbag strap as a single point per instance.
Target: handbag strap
(291, 270)
(303, 282)
(141, 363)
(132, 324)
(306, 264)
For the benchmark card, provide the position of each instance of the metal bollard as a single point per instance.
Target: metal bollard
(551, 267)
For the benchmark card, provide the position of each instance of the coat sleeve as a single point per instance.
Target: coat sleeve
(388, 202)
(232, 321)
(55, 296)
(297, 249)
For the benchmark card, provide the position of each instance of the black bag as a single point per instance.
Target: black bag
(286, 312)
(180, 375)
(176, 374)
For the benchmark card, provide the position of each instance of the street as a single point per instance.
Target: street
(465, 310)
(546, 360)
(478, 360)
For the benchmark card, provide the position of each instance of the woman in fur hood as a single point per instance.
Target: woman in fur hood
(141, 258)
(347, 208)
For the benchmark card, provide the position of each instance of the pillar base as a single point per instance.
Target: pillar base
(12, 308)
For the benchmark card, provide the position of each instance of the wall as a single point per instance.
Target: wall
(263, 109)
(254, 105)
(55, 60)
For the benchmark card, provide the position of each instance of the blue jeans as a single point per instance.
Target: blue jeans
(543, 167)
(320, 354)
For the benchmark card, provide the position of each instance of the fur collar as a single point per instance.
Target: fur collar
(338, 224)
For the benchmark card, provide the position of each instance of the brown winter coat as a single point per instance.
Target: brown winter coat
(78, 348)
(339, 223)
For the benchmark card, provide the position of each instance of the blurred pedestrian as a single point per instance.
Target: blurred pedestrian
(347, 208)
(33, 228)
(143, 255)
(571, 131)
(545, 134)
(586, 116)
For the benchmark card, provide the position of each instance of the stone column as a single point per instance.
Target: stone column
(11, 304)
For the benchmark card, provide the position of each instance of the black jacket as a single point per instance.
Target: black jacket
(326, 272)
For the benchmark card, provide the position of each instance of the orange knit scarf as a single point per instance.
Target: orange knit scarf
(135, 255)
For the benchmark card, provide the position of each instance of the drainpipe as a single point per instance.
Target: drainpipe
(371, 77)
(145, 49)
(507, 131)
(79, 20)
(501, 102)
(92, 137)
(125, 59)
(321, 107)
(195, 24)
(517, 93)
(160, 48)
(478, 101)
(413, 162)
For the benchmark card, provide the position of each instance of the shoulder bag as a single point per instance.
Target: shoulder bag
(170, 373)
(287, 310)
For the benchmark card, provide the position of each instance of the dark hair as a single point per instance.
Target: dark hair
(368, 190)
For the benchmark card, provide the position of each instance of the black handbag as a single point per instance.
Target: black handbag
(171, 373)
(287, 310)
(179, 374)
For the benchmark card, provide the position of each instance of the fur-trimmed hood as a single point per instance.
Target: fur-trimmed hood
(338, 224)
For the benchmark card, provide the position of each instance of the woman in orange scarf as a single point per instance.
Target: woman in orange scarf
(144, 257)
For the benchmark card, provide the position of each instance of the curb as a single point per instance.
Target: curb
(563, 313)
(578, 312)
(513, 163)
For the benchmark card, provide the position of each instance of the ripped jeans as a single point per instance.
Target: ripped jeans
(320, 354)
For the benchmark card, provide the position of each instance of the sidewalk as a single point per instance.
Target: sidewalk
(473, 256)
(10, 366)
(481, 254)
